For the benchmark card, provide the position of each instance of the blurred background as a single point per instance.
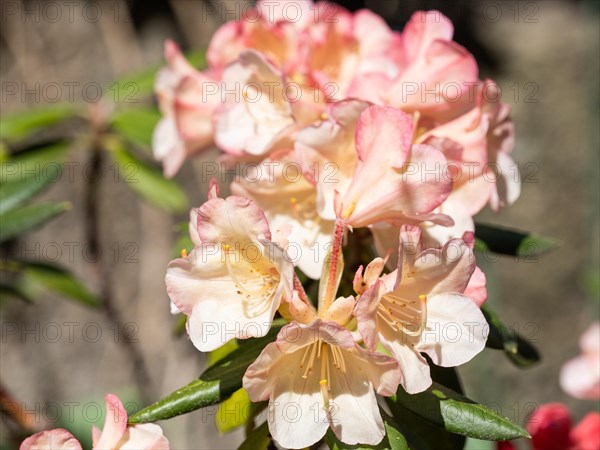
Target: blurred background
(58, 357)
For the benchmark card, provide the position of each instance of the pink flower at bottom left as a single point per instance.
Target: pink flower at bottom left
(116, 435)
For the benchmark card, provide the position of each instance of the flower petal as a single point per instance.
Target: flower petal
(456, 330)
(234, 220)
(115, 424)
(58, 439)
(146, 436)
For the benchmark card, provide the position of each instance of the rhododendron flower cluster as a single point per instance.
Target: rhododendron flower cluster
(383, 127)
(340, 124)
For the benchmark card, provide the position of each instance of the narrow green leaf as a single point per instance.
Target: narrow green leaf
(12, 291)
(43, 161)
(17, 192)
(501, 337)
(233, 412)
(60, 280)
(447, 409)
(147, 181)
(20, 220)
(393, 439)
(258, 439)
(216, 384)
(21, 124)
(136, 125)
(510, 242)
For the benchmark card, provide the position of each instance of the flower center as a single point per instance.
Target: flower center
(323, 355)
(256, 285)
(403, 315)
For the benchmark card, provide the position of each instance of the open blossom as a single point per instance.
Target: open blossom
(257, 115)
(116, 435)
(315, 376)
(580, 377)
(394, 180)
(186, 127)
(421, 308)
(232, 284)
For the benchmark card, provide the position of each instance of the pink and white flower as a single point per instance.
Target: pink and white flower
(394, 180)
(421, 308)
(116, 435)
(187, 100)
(233, 283)
(315, 376)
(580, 376)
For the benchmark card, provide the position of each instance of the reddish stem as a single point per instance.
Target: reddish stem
(338, 235)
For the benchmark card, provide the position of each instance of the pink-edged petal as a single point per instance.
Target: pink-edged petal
(476, 289)
(234, 220)
(366, 314)
(413, 181)
(580, 378)
(384, 134)
(58, 439)
(456, 330)
(438, 271)
(168, 147)
(146, 436)
(115, 424)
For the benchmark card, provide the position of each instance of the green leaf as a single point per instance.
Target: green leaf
(44, 161)
(20, 220)
(136, 125)
(11, 291)
(17, 192)
(233, 412)
(19, 125)
(258, 439)
(421, 434)
(393, 439)
(216, 384)
(447, 409)
(60, 280)
(510, 242)
(217, 355)
(147, 181)
(518, 350)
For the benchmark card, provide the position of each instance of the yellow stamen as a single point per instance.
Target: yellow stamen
(324, 116)
(184, 253)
